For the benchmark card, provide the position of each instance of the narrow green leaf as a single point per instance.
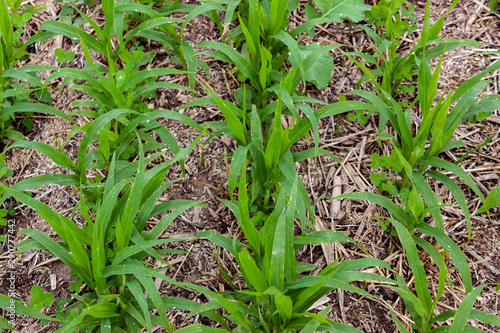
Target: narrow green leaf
(464, 310)
(456, 254)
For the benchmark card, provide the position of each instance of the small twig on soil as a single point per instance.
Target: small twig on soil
(24, 166)
(482, 260)
(39, 197)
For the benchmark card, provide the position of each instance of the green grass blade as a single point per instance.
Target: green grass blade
(60, 252)
(253, 275)
(199, 328)
(56, 156)
(231, 7)
(149, 25)
(415, 263)
(140, 76)
(199, 10)
(151, 289)
(138, 293)
(130, 251)
(191, 61)
(397, 212)
(58, 222)
(91, 135)
(288, 230)
(454, 169)
(455, 253)
(33, 107)
(218, 239)
(313, 152)
(160, 227)
(237, 161)
(39, 181)
(74, 34)
(430, 197)
(251, 233)
(457, 194)
(464, 310)
(318, 237)
(126, 222)
(424, 86)
(157, 85)
(243, 65)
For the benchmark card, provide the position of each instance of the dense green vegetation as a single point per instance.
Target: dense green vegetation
(109, 253)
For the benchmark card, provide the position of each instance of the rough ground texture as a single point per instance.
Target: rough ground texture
(353, 143)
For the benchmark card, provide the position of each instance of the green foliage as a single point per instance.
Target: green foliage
(266, 47)
(337, 10)
(63, 57)
(422, 305)
(275, 299)
(40, 299)
(12, 49)
(107, 253)
(411, 155)
(156, 25)
(394, 73)
(265, 144)
(491, 201)
(130, 136)
(494, 6)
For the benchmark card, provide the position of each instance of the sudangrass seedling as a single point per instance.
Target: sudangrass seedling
(421, 306)
(394, 73)
(412, 155)
(265, 144)
(12, 49)
(122, 85)
(97, 158)
(169, 32)
(108, 247)
(266, 47)
(275, 299)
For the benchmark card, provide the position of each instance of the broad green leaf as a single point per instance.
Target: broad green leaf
(251, 271)
(336, 10)
(22, 309)
(492, 200)
(320, 70)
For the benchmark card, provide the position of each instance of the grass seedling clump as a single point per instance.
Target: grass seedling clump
(106, 254)
(275, 298)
